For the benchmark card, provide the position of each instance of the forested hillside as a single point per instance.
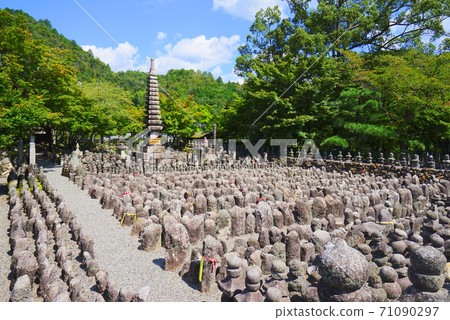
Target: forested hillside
(48, 82)
(349, 74)
(88, 67)
(180, 84)
(202, 85)
(41, 90)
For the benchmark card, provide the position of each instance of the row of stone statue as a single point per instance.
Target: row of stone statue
(415, 162)
(203, 152)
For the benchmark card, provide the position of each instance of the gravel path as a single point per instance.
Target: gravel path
(5, 258)
(117, 252)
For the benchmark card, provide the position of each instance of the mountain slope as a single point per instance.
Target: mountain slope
(89, 68)
(180, 84)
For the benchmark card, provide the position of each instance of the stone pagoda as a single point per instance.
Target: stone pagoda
(153, 119)
(152, 150)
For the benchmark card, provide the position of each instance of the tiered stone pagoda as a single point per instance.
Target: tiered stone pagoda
(152, 150)
(153, 121)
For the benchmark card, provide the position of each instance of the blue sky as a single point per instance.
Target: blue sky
(190, 34)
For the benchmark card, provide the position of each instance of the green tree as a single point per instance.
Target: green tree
(202, 86)
(111, 111)
(88, 67)
(299, 84)
(134, 82)
(415, 95)
(38, 83)
(358, 122)
(184, 118)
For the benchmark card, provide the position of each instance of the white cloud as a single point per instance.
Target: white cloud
(232, 77)
(161, 35)
(247, 9)
(217, 71)
(119, 58)
(197, 53)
